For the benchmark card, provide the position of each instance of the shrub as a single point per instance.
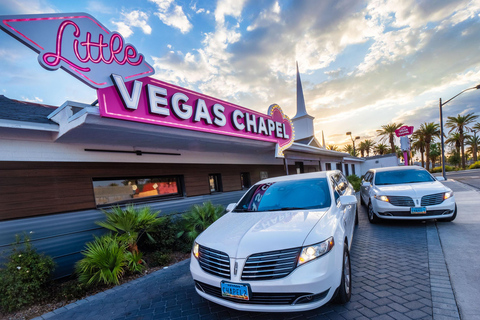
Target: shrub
(130, 223)
(355, 181)
(135, 262)
(159, 259)
(165, 237)
(199, 218)
(26, 273)
(439, 169)
(475, 165)
(104, 261)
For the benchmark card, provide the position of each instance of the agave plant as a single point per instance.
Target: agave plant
(104, 261)
(199, 218)
(131, 223)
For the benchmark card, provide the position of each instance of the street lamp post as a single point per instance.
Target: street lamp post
(441, 125)
(353, 142)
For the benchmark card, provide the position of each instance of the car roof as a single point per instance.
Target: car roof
(301, 176)
(398, 168)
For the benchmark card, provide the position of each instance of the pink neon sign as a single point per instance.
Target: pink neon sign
(151, 101)
(80, 45)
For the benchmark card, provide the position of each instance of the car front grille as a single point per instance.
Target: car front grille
(214, 262)
(409, 214)
(432, 199)
(265, 298)
(401, 201)
(270, 265)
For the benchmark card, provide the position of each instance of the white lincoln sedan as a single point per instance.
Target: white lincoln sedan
(283, 247)
(406, 193)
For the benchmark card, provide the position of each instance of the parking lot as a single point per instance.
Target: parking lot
(399, 272)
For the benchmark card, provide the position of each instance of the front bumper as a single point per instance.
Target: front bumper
(385, 210)
(307, 287)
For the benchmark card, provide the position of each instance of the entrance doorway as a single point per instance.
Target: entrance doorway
(215, 181)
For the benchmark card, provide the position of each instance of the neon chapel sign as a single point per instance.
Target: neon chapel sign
(83, 47)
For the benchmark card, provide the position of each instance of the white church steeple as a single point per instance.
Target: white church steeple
(303, 122)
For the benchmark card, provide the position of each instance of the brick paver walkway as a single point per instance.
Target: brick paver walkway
(397, 267)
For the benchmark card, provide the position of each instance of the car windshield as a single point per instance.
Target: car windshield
(287, 195)
(402, 176)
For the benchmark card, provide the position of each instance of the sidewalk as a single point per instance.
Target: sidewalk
(460, 244)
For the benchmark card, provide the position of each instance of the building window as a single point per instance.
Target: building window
(299, 167)
(353, 169)
(263, 175)
(346, 169)
(118, 190)
(339, 166)
(215, 181)
(328, 166)
(245, 180)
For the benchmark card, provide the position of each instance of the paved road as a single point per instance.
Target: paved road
(399, 272)
(470, 177)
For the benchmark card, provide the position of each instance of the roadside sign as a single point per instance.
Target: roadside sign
(404, 131)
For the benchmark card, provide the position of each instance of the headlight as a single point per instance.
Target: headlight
(382, 198)
(314, 251)
(447, 195)
(195, 250)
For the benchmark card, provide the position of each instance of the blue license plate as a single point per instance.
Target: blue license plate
(419, 210)
(235, 290)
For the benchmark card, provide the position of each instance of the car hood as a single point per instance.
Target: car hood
(240, 234)
(412, 189)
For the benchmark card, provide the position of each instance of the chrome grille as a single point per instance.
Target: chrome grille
(270, 265)
(432, 199)
(401, 201)
(214, 262)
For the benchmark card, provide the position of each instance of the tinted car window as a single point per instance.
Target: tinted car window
(287, 195)
(402, 176)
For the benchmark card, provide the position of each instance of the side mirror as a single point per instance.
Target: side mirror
(440, 178)
(365, 184)
(231, 206)
(348, 200)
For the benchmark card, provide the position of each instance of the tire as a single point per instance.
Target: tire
(356, 216)
(372, 217)
(451, 218)
(344, 291)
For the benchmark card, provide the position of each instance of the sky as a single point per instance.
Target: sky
(363, 64)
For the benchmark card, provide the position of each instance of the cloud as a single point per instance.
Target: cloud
(35, 100)
(131, 19)
(172, 15)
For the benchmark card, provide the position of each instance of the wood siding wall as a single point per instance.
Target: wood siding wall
(30, 189)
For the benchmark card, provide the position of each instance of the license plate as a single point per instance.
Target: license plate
(235, 290)
(419, 210)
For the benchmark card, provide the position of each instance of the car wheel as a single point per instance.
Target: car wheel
(372, 217)
(356, 216)
(451, 218)
(344, 292)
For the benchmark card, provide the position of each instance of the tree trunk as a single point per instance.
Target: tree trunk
(427, 151)
(392, 144)
(422, 158)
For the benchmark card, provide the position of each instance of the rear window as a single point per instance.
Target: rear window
(287, 195)
(402, 176)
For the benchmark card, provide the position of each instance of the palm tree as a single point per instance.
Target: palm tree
(460, 124)
(369, 145)
(348, 148)
(434, 153)
(361, 148)
(473, 142)
(454, 141)
(381, 149)
(419, 145)
(429, 130)
(388, 132)
(332, 147)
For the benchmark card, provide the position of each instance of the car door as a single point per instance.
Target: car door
(348, 213)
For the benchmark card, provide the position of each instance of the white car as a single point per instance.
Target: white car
(406, 193)
(283, 247)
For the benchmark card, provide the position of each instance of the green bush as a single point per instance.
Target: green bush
(104, 261)
(131, 223)
(135, 262)
(165, 237)
(159, 259)
(355, 181)
(199, 218)
(25, 276)
(439, 169)
(475, 165)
